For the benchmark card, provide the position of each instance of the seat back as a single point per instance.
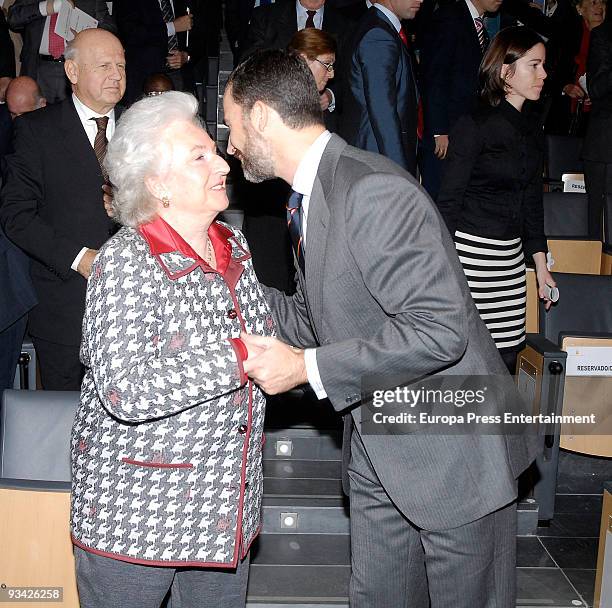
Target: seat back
(563, 155)
(35, 431)
(584, 306)
(566, 215)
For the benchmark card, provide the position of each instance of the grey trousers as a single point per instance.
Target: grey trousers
(397, 565)
(109, 583)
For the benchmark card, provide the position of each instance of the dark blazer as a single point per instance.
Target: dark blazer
(237, 18)
(6, 132)
(384, 296)
(25, 18)
(145, 38)
(492, 184)
(450, 58)
(380, 108)
(273, 26)
(51, 207)
(598, 140)
(7, 50)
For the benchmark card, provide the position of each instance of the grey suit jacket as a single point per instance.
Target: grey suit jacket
(384, 293)
(24, 17)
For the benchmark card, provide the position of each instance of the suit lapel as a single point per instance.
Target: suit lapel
(76, 142)
(317, 228)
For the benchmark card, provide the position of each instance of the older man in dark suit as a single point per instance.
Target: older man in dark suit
(382, 98)
(42, 55)
(381, 294)
(52, 199)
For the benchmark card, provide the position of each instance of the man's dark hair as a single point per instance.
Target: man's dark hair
(282, 80)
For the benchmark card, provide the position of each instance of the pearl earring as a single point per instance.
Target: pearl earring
(165, 201)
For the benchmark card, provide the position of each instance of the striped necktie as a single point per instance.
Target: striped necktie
(168, 16)
(294, 223)
(100, 142)
(483, 36)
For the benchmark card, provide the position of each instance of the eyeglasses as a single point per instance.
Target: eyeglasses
(328, 66)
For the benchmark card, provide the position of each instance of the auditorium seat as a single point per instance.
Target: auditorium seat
(606, 257)
(583, 310)
(563, 155)
(35, 490)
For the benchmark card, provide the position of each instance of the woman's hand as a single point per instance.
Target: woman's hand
(543, 277)
(574, 91)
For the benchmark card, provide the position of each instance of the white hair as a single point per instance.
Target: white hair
(135, 152)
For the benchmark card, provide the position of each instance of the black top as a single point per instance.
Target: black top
(492, 184)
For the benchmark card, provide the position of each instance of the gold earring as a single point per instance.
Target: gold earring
(165, 201)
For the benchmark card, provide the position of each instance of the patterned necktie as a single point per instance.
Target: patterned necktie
(483, 36)
(100, 142)
(294, 223)
(310, 19)
(168, 16)
(56, 42)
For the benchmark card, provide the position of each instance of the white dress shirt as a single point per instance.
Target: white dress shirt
(302, 15)
(303, 182)
(397, 24)
(85, 115)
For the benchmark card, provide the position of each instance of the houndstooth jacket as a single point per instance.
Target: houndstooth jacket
(167, 441)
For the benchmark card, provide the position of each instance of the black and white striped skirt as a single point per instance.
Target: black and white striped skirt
(495, 271)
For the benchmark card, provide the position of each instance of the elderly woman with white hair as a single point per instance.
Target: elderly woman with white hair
(167, 441)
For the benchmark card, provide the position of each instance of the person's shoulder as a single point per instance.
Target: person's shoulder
(125, 244)
(49, 115)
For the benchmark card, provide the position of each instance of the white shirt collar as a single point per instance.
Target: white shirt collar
(85, 112)
(369, 4)
(306, 173)
(473, 10)
(301, 10)
(397, 24)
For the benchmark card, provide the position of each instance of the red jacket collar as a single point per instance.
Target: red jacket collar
(163, 238)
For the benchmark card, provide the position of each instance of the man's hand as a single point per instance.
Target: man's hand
(107, 197)
(275, 366)
(325, 100)
(441, 146)
(183, 24)
(177, 59)
(84, 267)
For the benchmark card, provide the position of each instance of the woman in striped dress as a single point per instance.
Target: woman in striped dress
(491, 193)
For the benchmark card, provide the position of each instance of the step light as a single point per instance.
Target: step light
(288, 521)
(284, 447)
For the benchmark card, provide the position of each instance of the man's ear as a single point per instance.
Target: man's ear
(72, 70)
(260, 116)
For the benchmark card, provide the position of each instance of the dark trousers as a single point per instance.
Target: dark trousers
(431, 168)
(397, 565)
(11, 339)
(598, 181)
(109, 583)
(59, 364)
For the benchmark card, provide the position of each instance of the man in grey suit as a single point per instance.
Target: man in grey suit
(42, 56)
(380, 292)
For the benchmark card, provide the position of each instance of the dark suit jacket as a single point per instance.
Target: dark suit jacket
(17, 294)
(25, 18)
(7, 50)
(450, 58)
(598, 140)
(273, 26)
(51, 207)
(237, 17)
(384, 296)
(145, 38)
(380, 108)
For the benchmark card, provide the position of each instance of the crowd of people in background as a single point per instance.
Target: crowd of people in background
(394, 158)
